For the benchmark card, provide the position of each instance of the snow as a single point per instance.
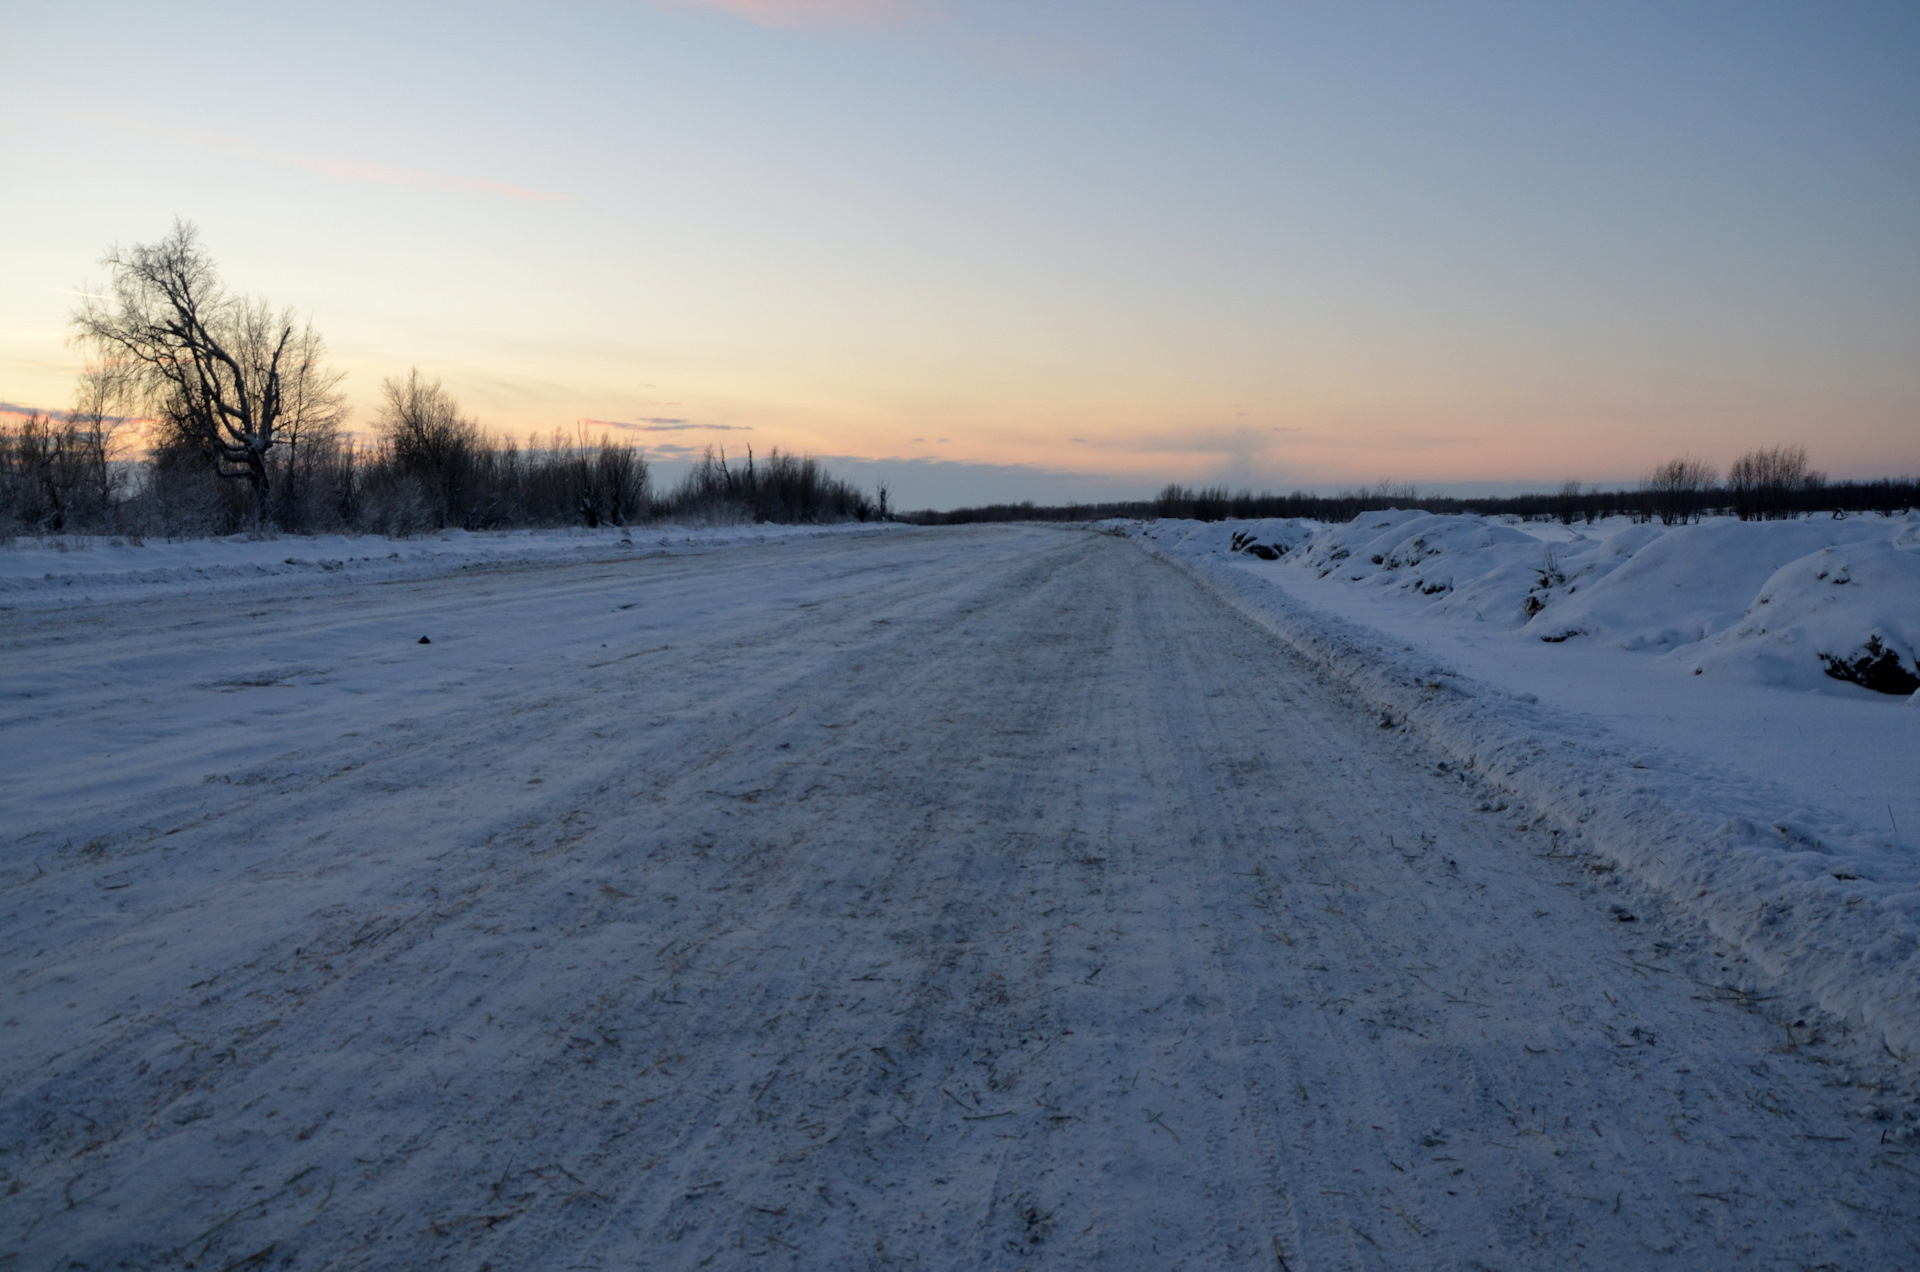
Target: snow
(57, 570)
(1822, 603)
(1642, 587)
(1662, 690)
(976, 896)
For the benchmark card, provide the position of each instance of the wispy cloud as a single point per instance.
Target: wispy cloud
(12, 410)
(657, 424)
(801, 14)
(1234, 441)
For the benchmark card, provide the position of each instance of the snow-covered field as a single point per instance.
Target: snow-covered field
(924, 898)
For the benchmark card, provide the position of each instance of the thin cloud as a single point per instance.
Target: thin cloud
(657, 424)
(809, 14)
(1234, 441)
(15, 411)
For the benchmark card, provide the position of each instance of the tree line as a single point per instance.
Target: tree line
(1765, 484)
(246, 432)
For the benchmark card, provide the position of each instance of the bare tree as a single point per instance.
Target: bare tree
(57, 471)
(788, 489)
(227, 374)
(93, 432)
(426, 439)
(1769, 483)
(1566, 504)
(610, 483)
(31, 458)
(1678, 486)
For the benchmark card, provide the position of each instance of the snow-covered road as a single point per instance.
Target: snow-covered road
(923, 899)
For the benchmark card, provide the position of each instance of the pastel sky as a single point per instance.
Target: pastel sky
(1053, 249)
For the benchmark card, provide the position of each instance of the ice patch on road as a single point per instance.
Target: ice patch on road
(1825, 898)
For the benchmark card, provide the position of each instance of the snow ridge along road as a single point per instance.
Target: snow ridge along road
(1825, 908)
(973, 897)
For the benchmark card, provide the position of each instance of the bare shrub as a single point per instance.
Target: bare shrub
(431, 449)
(1773, 483)
(1566, 503)
(610, 483)
(784, 488)
(56, 476)
(181, 496)
(1875, 667)
(1679, 488)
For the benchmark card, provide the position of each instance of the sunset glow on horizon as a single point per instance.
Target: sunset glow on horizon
(1059, 251)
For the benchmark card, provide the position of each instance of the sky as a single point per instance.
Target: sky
(1049, 250)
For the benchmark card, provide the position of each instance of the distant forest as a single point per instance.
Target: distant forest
(1766, 484)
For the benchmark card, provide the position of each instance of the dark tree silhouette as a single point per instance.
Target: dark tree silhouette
(223, 374)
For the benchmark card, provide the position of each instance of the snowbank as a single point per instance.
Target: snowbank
(1821, 899)
(1856, 608)
(1784, 602)
(58, 569)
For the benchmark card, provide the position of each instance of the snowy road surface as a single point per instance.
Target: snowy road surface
(925, 899)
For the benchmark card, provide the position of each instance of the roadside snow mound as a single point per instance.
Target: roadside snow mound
(1817, 604)
(1220, 538)
(56, 570)
(1854, 609)
(1476, 567)
(1824, 904)
(1685, 584)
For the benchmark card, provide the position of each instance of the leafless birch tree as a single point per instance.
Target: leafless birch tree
(227, 374)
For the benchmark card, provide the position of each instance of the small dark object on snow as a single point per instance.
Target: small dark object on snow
(425, 641)
(1621, 914)
(1386, 720)
(1243, 542)
(1876, 667)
